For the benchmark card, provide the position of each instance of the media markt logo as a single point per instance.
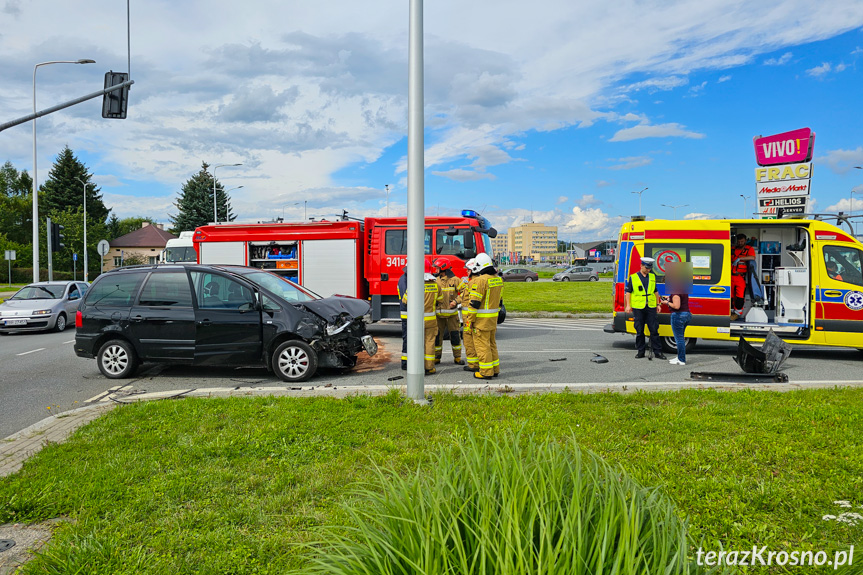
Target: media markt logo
(854, 300)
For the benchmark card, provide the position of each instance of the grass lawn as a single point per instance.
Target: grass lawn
(233, 485)
(570, 297)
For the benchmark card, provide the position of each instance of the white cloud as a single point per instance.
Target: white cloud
(841, 161)
(603, 184)
(782, 60)
(562, 200)
(461, 175)
(588, 200)
(672, 130)
(844, 204)
(697, 216)
(588, 220)
(819, 71)
(631, 162)
(723, 79)
(695, 90)
(657, 84)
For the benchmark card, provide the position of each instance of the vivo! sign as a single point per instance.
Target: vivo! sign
(786, 148)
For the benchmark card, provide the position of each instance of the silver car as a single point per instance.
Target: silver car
(577, 273)
(42, 306)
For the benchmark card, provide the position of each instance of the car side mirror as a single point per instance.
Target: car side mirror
(469, 254)
(73, 297)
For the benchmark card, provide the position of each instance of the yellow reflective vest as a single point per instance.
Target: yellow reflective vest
(639, 299)
(430, 303)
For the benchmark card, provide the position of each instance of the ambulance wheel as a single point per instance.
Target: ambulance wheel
(669, 345)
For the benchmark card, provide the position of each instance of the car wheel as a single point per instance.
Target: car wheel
(528, 279)
(594, 279)
(565, 278)
(117, 359)
(669, 344)
(295, 361)
(61, 322)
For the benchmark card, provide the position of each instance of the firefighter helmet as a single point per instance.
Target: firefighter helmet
(429, 276)
(469, 264)
(483, 261)
(442, 264)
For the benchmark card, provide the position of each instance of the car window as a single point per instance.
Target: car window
(83, 287)
(269, 304)
(281, 287)
(39, 292)
(214, 291)
(844, 264)
(117, 289)
(169, 289)
(452, 245)
(74, 293)
(396, 242)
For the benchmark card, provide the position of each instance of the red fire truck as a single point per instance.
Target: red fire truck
(359, 258)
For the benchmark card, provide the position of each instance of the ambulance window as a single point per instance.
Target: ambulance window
(706, 260)
(396, 242)
(844, 264)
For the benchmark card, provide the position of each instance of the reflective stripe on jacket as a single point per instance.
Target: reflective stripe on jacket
(430, 303)
(488, 290)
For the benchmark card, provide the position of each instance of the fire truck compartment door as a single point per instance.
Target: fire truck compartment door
(330, 267)
(228, 253)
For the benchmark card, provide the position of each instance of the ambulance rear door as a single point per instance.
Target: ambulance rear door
(706, 244)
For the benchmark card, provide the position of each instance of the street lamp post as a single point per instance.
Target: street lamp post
(86, 269)
(215, 212)
(639, 199)
(744, 204)
(851, 205)
(226, 199)
(35, 179)
(675, 208)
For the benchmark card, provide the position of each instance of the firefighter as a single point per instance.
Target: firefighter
(485, 296)
(403, 312)
(468, 315)
(432, 301)
(741, 255)
(447, 319)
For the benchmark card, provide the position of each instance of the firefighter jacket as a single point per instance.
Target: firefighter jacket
(448, 284)
(431, 303)
(485, 295)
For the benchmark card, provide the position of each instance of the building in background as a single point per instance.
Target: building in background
(500, 246)
(530, 243)
(144, 245)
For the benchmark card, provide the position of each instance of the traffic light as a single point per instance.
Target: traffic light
(114, 103)
(57, 237)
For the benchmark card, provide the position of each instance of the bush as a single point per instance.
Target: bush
(25, 275)
(509, 505)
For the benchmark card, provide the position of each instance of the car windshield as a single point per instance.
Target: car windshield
(281, 287)
(40, 292)
(181, 254)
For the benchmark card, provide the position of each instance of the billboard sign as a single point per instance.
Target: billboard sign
(789, 188)
(785, 148)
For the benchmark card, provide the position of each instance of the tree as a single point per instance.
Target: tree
(16, 208)
(73, 238)
(63, 189)
(196, 203)
(117, 227)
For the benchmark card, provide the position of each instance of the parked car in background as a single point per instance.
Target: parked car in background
(519, 275)
(577, 273)
(193, 314)
(42, 306)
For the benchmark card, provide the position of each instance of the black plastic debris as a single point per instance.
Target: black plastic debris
(768, 359)
(6, 544)
(598, 358)
(396, 378)
(558, 359)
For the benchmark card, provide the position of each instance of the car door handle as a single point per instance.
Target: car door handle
(204, 322)
(138, 318)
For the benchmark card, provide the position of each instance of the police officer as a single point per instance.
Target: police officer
(447, 318)
(741, 255)
(485, 296)
(468, 315)
(641, 301)
(431, 301)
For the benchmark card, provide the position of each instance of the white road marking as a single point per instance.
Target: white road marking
(31, 351)
(70, 341)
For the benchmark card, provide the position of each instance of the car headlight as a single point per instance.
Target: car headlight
(43, 312)
(336, 329)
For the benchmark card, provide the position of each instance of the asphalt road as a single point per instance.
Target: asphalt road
(38, 371)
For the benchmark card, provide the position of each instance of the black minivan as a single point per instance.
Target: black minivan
(217, 315)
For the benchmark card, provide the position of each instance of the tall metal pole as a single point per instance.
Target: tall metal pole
(416, 206)
(35, 176)
(387, 186)
(50, 251)
(744, 204)
(86, 267)
(215, 211)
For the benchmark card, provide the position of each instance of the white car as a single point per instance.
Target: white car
(42, 306)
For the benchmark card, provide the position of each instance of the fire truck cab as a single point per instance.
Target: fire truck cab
(807, 274)
(358, 258)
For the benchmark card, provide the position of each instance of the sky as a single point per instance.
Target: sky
(551, 111)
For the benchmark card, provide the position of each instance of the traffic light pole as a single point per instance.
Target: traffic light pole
(50, 251)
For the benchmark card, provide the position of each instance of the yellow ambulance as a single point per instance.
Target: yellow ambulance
(808, 274)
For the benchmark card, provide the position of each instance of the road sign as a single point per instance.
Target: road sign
(74, 257)
(102, 247)
(10, 255)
